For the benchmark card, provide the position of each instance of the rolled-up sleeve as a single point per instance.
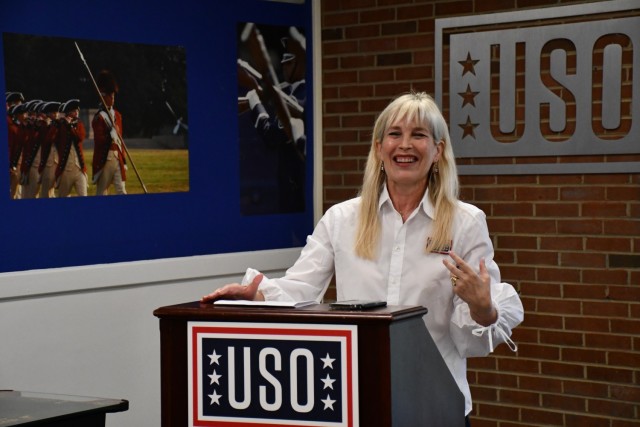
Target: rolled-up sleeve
(311, 274)
(473, 339)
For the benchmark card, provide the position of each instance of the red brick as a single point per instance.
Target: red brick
(627, 359)
(538, 351)
(622, 227)
(497, 411)
(562, 370)
(563, 243)
(537, 258)
(535, 226)
(582, 259)
(586, 292)
(609, 374)
(590, 324)
(545, 384)
(586, 420)
(561, 275)
(567, 403)
(616, 309)
(513, 209)
(454, 8)
(540, 289)
(542, 321)
(625, 393)
(496, 379)
(618, 244)
(562, 338)
(610, 277)
(582, 193)
(600, 209)
(537, 193)
(580, 226)
(624, 194)
(585, 388)
(520, 398)
(609, 341)
(557, 210)
(541, 417)
(611, 409)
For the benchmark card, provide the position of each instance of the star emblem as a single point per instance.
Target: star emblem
(328, 382)
(328, 402)
(327, 361)
(215, 358)
(468, 65)
(214, 377)
(215, 398)
(468, 97)
(468, 128)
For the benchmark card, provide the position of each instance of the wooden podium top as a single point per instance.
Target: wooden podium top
(319, 312)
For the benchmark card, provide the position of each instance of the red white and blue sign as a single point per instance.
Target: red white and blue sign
(248, 374)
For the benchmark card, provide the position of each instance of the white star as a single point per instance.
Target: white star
(327, 362)
(328, 382)
(328, 402)
(214, 358)
(215, 398)
(215, 377)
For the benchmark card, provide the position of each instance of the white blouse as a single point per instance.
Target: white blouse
(405, 274)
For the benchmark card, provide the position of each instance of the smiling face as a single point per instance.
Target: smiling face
(407, 151)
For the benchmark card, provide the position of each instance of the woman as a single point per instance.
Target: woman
(407, 240)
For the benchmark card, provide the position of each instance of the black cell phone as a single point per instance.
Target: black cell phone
(356, 304)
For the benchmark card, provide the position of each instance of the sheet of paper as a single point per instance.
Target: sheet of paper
(283, 304)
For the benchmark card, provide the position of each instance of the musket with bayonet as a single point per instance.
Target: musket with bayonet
(111, 119)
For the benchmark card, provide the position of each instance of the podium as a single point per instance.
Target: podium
(380, 368)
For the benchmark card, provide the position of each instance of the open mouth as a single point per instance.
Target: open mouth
(405, 159)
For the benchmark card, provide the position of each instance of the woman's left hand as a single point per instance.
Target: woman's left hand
(473, 288)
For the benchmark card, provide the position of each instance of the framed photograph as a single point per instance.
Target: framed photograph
(137, 134)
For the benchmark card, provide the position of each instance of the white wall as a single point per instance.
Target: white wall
(90, 331)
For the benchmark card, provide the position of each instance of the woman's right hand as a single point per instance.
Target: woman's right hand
(237, 291)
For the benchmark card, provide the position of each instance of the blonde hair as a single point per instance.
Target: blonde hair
(442, 186)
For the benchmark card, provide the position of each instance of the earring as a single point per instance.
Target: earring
(382, 166)
(435, 168)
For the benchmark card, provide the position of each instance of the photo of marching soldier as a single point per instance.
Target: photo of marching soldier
(271, 101)
(86, 117)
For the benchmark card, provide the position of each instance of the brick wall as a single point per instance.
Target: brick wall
(569, 243)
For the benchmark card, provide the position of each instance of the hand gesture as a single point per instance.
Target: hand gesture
(237, 291)
(473, 288)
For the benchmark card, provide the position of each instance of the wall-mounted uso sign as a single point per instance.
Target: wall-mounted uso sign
(243, 374)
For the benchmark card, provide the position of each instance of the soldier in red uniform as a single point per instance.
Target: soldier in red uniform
(109, 163)
(49, 152)
(29, 177)
(71, 171)
(18, 136)
(13, 98)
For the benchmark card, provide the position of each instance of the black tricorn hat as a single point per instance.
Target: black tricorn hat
(70, 105)
(13, 97)
(50, 107)
(106, 82)
(33, 104)
(16, 109)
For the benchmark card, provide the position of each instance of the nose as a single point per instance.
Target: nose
(405, 141)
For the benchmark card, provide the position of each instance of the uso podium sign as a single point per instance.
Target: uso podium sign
(248, 374)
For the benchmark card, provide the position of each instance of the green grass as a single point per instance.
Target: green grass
(162, 171)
